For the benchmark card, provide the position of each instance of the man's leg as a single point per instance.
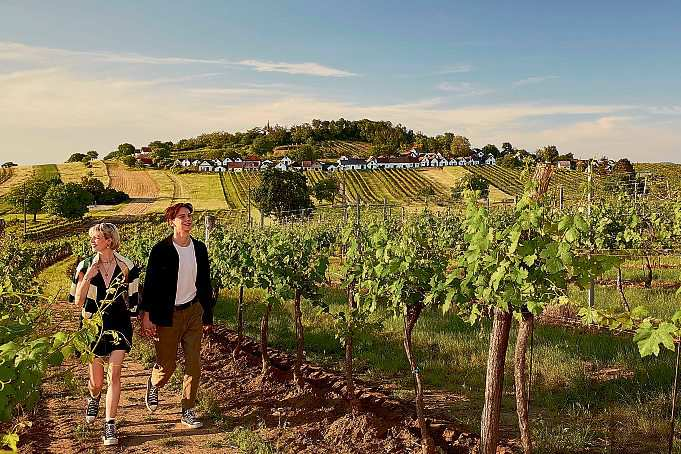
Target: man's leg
(166, 352)
(191, 346)
(166, 360)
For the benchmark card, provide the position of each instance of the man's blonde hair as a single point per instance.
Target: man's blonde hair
(109, 231)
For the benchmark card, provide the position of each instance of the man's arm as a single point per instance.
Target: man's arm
(207, 300)
(150, 278)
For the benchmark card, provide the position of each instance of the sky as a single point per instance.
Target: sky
(593, 78)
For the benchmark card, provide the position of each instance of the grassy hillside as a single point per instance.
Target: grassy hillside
(46, 171)
(72, 172)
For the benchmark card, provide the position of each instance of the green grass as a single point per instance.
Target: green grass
(249, 442)
(55, 280)
(205, 191)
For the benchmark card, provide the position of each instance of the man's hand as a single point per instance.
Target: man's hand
(148, 327)
(207, 329)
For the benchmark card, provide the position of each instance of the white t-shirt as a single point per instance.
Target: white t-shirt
(186, 274)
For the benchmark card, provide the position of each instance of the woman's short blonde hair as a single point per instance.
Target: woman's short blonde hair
(109, 231)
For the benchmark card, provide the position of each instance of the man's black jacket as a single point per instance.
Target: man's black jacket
(160, 283)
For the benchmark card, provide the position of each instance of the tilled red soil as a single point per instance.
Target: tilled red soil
(317, 419)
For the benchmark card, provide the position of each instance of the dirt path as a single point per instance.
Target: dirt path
(59, 424)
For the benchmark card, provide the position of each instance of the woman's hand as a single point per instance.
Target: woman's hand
(91, 272)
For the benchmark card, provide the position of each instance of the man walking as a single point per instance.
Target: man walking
(177, 308)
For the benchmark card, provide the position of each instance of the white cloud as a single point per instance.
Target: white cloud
(464, 89)
(48, 55)
(456, 69)
(533, 80)
(665, 110)
(50, 113)
(310, 69)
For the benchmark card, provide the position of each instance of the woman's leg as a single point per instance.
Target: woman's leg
(113, 393)
(96, 369)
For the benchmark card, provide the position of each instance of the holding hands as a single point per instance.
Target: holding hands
(148, 327)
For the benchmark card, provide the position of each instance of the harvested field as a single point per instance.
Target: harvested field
(18, 175)
(138, 184)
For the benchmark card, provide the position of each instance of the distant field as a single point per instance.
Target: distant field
(138, 184)
(17, 176)
(46, 171)
(204, 190)
(72, 172)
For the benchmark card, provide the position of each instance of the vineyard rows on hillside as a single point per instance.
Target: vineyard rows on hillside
(454, 261)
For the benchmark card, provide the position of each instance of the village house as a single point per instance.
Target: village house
(345, 163)
(205, 167)
(564, 164)
(235, 166)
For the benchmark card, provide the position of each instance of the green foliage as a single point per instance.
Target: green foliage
(26, 355)
(129, 160)
(102, 195)
(31, 195)
(76, 157)
(68, 200)
(126, 149)
(460, 146)
(470, 182)
(8, 164)
(262, 145)
(305, 152)
(281, 192)
(509, 161)
(548, 153)
(518, 260)
(326, 189)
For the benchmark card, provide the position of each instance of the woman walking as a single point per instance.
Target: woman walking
(177, 308)
(106, 283)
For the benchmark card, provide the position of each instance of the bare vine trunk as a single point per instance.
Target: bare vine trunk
(349, 382)
(300, 341)
(413, 313)
(649, 274)
(264, 328)
(620, 288)
(239, 323)
(525, 328)
(494, 381)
